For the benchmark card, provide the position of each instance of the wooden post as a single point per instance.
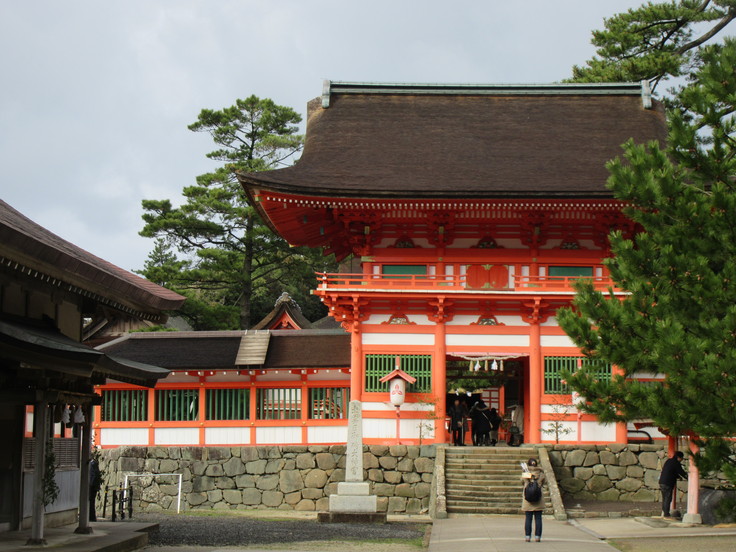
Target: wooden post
(693, 487)
(536, 373)
(41, 431)
(439, 381)
(86, 442)
(356, 362)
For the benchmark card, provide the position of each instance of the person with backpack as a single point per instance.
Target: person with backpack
(532, 502)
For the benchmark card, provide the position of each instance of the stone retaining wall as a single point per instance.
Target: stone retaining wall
(287, 478)
(611, 472)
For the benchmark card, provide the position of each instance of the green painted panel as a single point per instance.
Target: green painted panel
(571, 271)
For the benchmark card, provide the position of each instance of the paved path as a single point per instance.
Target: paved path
(506, 534)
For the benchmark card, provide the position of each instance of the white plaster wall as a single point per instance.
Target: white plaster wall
(556, 341)
(652, 431)
(406, 407)
(594, 431)
(454, 340)
(551, 321)
(123, 436)
(227, 436)
(398, 339)
(558, 409)
(278, 375)
(378, 428)
(590, 431)
(386, 428)
(327, 434)
(176, 436)
(278, 435)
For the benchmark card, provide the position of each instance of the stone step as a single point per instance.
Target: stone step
(490, 486)
(490, 466)
(482, 492)
(482, 477)
(511, 504)
(489, 510)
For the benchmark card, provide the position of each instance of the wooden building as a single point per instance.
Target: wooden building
(471, 208)
(50, 290)
(467, 212)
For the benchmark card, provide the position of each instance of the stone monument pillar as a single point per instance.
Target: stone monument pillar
(353, 501)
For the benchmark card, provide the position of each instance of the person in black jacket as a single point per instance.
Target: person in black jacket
(458, 414)
(671, 472)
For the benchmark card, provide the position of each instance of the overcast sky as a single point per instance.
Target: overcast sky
(96, 96)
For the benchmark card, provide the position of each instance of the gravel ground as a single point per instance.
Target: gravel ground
(219, 530)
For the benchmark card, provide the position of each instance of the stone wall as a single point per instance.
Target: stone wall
(610, 472)
(287, 478)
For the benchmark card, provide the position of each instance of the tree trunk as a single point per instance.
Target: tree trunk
(247, 291)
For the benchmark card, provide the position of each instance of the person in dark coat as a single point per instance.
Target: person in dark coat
(481, 425)
(533, 510)
(671, 472)
(495, 420)
(458, 414)
(95, 482)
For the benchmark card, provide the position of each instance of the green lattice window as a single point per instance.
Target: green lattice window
(124, 405)
(329, 403)
(418, 366)
(554, 366)
(570, 271)
(177, 405)
(279, 404)
(227, 404)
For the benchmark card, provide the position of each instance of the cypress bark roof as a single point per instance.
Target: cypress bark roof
(443, 141)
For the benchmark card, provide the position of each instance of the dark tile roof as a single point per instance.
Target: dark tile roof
(435, 141)
(218, 350)
(179, 350)
(308, 349)
(31, 245)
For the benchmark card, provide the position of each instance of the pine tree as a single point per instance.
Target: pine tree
(654, 41)
(677, 320)
(234, 266)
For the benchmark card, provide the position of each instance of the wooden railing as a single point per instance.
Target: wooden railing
(558, 283)
(328, 281)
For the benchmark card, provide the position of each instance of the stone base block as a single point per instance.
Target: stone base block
(692, 518)
(351, 517)
(354, 488)
(352, 503)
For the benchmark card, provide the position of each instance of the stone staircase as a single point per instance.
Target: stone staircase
(486, 480)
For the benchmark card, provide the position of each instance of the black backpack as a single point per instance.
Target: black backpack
(533, 492)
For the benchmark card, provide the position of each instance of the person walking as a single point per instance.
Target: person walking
(458, 414)
(494, 418)
(671, 472)
(532, 506)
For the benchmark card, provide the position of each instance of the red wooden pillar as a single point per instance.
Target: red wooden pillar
(693, 486)
(356, 362)
(202, 400)
(622, 432)
(252, 410)
(532, 433)
(151, 417)
(439, 381)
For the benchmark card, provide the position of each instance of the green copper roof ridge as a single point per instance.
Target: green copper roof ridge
(597, 88)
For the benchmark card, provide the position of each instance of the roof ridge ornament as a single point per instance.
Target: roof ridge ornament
(646, 94)
(326, 85)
